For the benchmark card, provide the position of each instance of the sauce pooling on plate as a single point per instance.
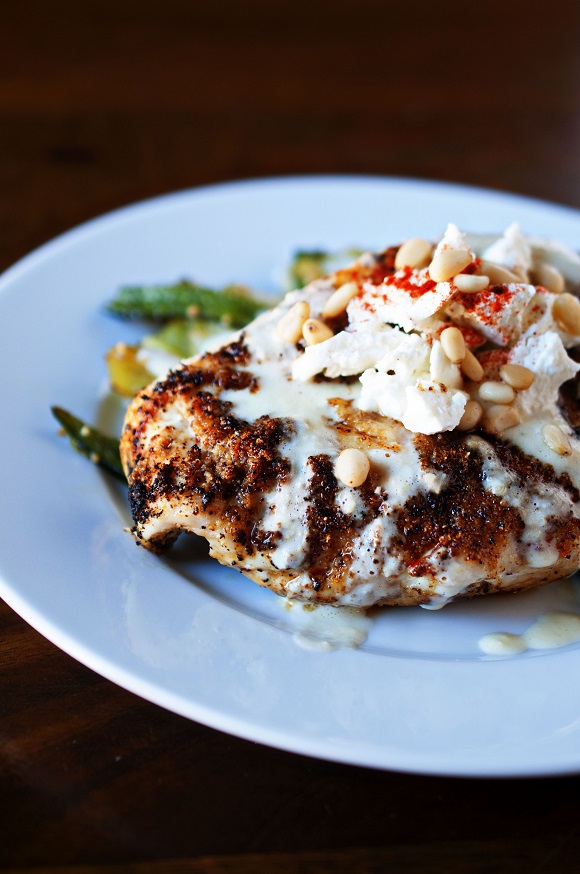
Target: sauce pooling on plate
(550, 631)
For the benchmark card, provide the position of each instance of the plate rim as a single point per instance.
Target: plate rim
(154, 202)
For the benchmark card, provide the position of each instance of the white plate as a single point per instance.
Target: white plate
(187, 634)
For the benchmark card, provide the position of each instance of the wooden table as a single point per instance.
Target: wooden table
(110, 101)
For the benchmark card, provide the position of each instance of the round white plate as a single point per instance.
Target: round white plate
(199, 639)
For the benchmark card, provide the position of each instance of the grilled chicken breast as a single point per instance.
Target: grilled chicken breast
(234, 447)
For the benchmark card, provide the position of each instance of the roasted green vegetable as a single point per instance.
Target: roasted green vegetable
(308, 265)
(183, 337)
(100, 448)
(234, 305)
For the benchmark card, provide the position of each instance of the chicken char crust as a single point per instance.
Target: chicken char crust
(218, 472)
(467, 520)
(195, 464)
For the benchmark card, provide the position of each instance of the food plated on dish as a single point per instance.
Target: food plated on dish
(400, 431)
(192, 635)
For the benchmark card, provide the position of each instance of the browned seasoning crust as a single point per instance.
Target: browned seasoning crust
(223, 475)
(330, 532)
(466, 520)
(214, 482)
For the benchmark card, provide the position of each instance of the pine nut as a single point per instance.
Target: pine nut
(289, 328)
(314, 331)
(352, 467)
(566, 312)
(550, 277)
(521, 272)
(471, 416)
(496, 392)
(414, 253)
(556, 440)
(338, 302)
(517, 376)
(471, 367)
(448, 263)
(453, 344)
(498, 274)
(468, 283)
(499, 417)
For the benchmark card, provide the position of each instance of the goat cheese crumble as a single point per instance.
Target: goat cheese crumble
(392, 339)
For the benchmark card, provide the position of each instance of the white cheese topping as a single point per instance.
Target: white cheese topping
(346, 354)
(391, 341)
(432, 407)
(409, 301)
(512, 251)
(452, 239)
(545, 355)
(500, 315)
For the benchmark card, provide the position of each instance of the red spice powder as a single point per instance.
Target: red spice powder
(472, 338)
(383, 267)
(383, 273)
(349, 274)
(538, 308)
(473, 267)
(492, 360)
(487, 303)
(409, 281)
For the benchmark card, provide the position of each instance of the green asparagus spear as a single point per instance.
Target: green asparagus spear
(100, 448)
(183, 337)
(234, 305)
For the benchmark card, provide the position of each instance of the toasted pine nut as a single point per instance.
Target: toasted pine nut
(468, 283)
(566, 312)
(516, 375)
(521, 272)
(352, 467)
(453, 344)
(499, 417)
(338, 302)
(498, 274)
(448, 263)
(471, 367)
(550, 277)
(289, 328)
(314, 331)
(415, 252)
(556, 440)
(496, 392)
(471, 416)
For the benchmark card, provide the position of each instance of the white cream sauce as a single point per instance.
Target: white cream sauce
(550, 631)
(528, 437)
(322, 628)
(536, 502)
(375, 573)
(395, 467)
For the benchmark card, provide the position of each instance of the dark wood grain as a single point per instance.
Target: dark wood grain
(103, 103)
(454, 857)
